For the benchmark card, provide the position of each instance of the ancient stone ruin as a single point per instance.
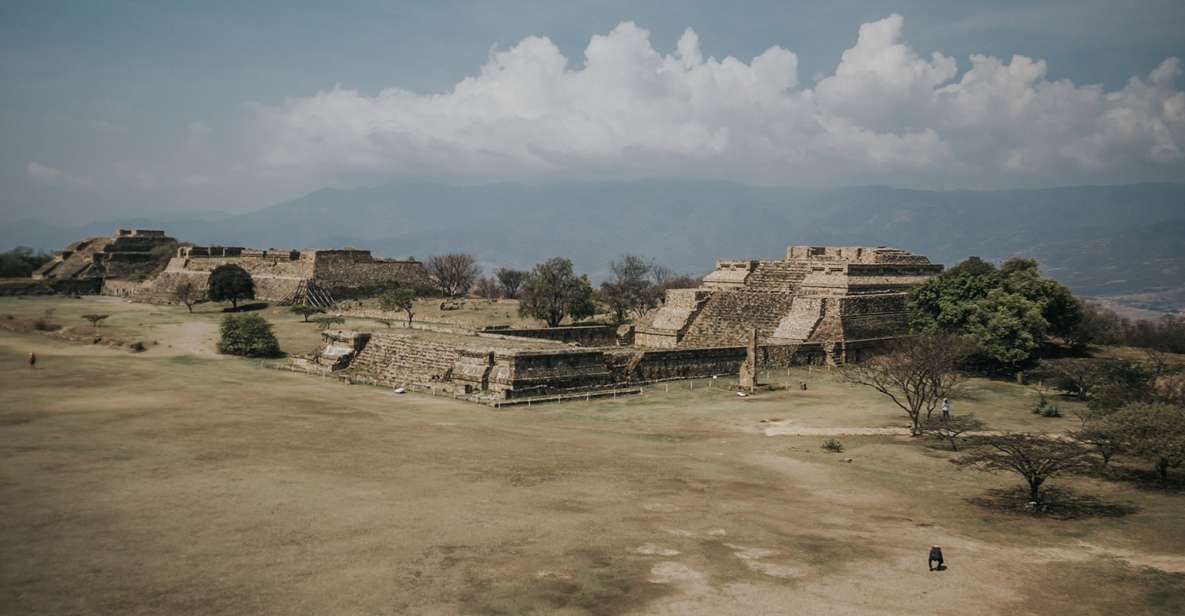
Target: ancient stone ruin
(294, 276)
(117, 256)
(847, 299)
(818, 305)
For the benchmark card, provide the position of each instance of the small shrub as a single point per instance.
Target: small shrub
(249, 335)
(137, 347)
(1045, 408)
(832, 446)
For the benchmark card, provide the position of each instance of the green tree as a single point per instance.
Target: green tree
(553, 291)
(231, 283)
(21, 261)
(1151, 430)
(1009, 312)
(248, 335)
(306, 310)
(399, 299)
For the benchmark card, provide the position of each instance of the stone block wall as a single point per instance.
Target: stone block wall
(534, 373)
(587, 336)
(355, 273)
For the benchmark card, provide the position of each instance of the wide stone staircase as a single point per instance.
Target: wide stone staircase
(389, 359)
(777, 276)
(728, 316)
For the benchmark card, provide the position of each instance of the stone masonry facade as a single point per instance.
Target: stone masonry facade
(846, 299)
(278, 274)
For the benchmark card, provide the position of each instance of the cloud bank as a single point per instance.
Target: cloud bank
(887, 114)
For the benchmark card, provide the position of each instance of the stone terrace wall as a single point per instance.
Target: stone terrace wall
(355, 273)
(533, 373)
(588, 336)
(874, 316)
(65, 286)
(275, 277)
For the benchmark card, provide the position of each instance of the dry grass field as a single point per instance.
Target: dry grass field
(176, 481)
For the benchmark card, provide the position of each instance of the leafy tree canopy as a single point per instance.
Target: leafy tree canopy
(249, 335)
(553, 291)
(231, 283)
(1009, 312)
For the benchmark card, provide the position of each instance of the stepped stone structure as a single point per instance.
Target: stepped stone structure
(317, 276)
(489, 367)
(818, 305)
(98, 258)
(847, 299)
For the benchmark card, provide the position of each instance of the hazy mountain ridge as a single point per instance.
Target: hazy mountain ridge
(1101, 240)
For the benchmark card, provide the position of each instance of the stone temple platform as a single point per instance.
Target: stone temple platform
(846, 299)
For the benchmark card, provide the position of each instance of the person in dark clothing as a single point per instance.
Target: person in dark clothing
(32, 360)
(935, 557)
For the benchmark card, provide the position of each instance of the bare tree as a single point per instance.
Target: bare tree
(488, 288)
(951, 428)
(454, 273)
(186, 293)
(511, 281)
(1034, 458)
(630, 291)
(916, 374)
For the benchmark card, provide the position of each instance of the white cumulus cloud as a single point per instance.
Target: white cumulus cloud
(886, 114)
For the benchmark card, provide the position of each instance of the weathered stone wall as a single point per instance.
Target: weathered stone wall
(587, 336)
(126, 288)
(665, 326)
(67, 286)
(355, 273)
(534, 373)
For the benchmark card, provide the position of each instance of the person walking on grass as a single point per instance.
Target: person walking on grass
(935, 557)
(32, 360)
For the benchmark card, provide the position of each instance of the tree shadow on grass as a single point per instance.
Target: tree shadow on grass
(1060, 504)
(1145, 479)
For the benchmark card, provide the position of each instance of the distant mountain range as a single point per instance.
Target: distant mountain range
(1100, 240)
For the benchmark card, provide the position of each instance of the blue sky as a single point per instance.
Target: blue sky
(179, 109)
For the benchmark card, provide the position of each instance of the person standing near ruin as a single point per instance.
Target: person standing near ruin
(32, 360)
(935, 557)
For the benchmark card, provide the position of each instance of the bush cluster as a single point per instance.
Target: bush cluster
(249, 335)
